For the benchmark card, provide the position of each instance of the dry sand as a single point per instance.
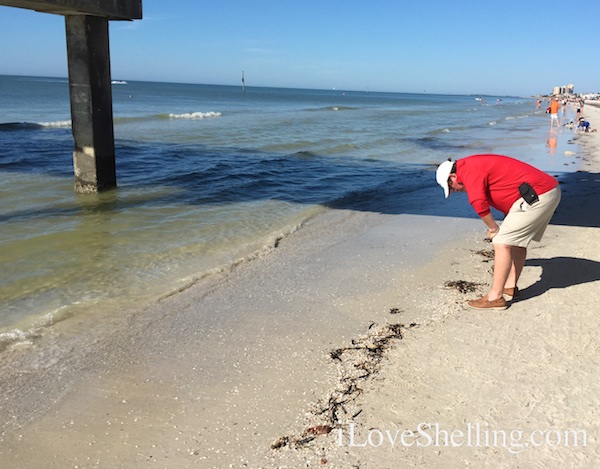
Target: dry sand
(295, 350)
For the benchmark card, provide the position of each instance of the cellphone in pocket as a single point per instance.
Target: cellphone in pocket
(528, 193)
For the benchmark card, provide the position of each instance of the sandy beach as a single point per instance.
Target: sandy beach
(348, 345)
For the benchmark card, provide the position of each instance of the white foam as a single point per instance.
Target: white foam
(195, 115)
(14, 335)
(56, 124)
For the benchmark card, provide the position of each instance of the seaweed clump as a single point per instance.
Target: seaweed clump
(357, 362)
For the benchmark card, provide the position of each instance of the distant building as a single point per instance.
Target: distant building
(565, 89)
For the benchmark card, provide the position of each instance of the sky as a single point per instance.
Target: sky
(499, 47)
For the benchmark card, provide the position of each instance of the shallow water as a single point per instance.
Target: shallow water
(209, 177)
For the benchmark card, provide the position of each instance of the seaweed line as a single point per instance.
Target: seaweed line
(356, 363)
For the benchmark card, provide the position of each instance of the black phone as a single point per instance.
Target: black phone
(528, 193)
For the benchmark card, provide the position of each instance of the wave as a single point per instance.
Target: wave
(445, 130)
(15, 336)
(66, 124)
(56, 124)
(19, 126)
(195, 115)
(170, 116)
(35, 125)
(333, 108)
(341, 108)
(30, 330)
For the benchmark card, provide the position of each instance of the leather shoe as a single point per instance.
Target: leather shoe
(484, 303)
(510, 293)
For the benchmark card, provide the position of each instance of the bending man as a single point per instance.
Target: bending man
(528, 198)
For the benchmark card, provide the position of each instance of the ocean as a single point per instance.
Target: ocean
(212, 176)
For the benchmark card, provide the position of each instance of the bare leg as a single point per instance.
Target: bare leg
(518, 261)
(503, 264)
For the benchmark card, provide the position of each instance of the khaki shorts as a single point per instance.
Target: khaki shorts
(526, 222)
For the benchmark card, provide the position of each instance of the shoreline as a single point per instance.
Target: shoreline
(34, 303)
(276, 330)
(214, 375)
(29, 317)
(470, 377)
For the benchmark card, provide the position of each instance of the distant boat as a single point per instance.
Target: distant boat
(118, 82)
(243, 83)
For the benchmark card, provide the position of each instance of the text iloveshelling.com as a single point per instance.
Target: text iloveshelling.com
(472, 435)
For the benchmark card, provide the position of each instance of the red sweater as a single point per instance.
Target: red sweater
(494, 180)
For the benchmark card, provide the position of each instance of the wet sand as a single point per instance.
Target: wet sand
(219, 374)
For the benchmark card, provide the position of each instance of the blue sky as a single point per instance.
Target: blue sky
(504, 47)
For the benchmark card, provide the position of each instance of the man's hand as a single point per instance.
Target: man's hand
(491, 224)
(492, 232)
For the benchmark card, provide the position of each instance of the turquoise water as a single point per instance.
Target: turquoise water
(209, 177)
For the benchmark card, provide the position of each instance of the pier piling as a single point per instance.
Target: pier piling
(90, 90)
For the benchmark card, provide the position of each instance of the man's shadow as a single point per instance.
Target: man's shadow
(561, 272)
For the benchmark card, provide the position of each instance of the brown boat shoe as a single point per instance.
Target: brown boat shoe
(511, 293)
(484, 303)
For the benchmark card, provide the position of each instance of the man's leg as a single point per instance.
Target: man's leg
(503, 264)
(519, 255)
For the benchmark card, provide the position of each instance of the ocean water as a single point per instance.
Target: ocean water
(210, 176)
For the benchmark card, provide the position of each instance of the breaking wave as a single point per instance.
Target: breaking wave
(195, 115)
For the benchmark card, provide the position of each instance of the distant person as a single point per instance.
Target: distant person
(579, 112)
(584, 126)
(528, 198)
(554, 106)
(539, 103)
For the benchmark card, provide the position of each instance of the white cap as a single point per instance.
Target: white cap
(442, 174)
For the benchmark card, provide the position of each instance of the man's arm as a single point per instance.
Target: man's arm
(491, 224)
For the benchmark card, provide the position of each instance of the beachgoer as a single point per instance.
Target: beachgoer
(528, 198)
(539, 103)
(554, 112)
(584, 126)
